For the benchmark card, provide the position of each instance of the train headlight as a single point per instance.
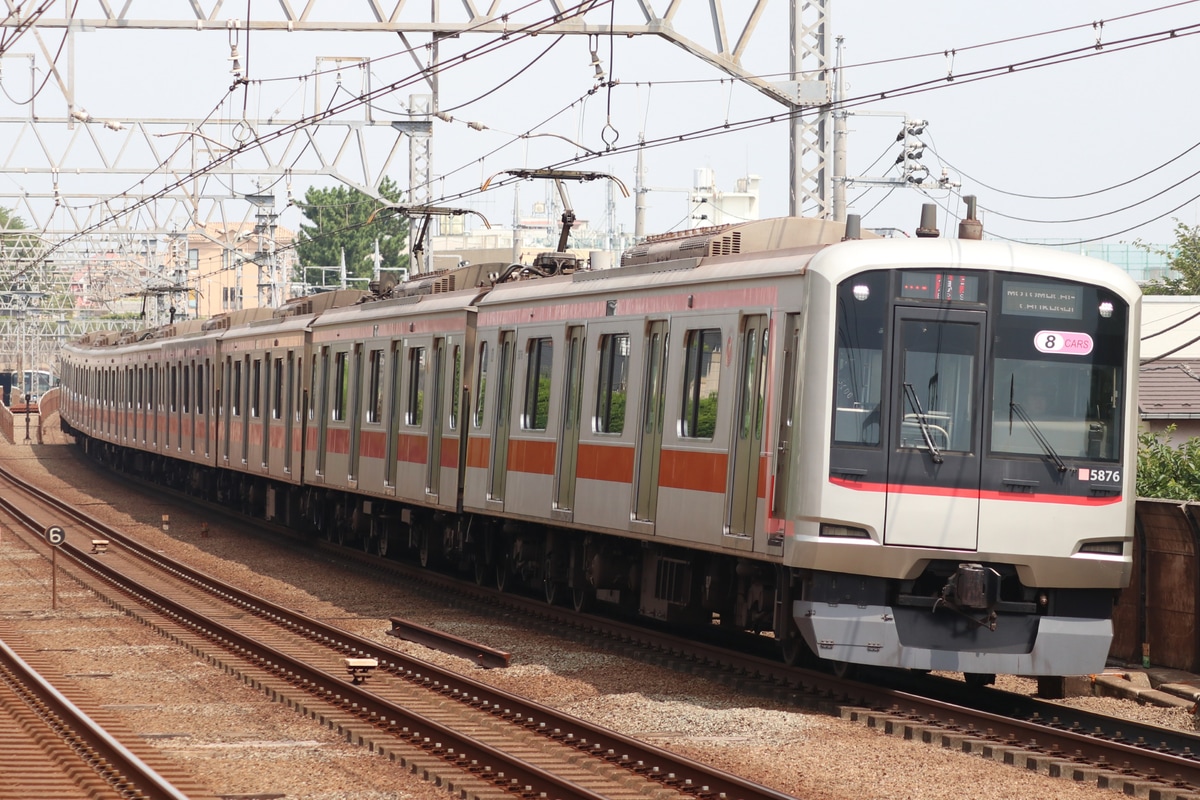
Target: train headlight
(844, 532)
(1106, 309)
(1113, 547)
(862, 292)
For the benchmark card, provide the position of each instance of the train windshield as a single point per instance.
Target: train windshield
(1057, 382)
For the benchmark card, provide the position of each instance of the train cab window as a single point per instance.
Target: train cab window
(701, 381)
(341, 386)
(613, 384)
(375, 386)
(1058, 381)
(537, 385)
(415, 412)
(861, 312)
(481, 384)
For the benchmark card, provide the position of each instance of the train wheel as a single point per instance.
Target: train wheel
(583, 598)
(481, 571)
(423, 548)
(792, 649)
(381, 542)
(503, 572)
(843, 669)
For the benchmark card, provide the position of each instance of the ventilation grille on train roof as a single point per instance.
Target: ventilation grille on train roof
(741, 237)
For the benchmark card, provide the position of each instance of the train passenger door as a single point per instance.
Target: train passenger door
(742, 508)
(787, 418)
(499, 460)
(933, 474)
(650, 436)
(564, 496)
(433, 466)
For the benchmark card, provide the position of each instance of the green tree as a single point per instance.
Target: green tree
(342, 219)
(1183, 258)
(1167, 471)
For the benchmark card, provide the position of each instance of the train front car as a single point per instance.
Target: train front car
(969, 504)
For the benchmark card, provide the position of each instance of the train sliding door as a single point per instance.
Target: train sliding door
(746, 450)
(650, 438)
(933, 471)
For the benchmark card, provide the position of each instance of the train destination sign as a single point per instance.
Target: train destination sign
(1042, 300)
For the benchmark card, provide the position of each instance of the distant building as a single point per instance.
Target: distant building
(241, 266)
(1169, 378)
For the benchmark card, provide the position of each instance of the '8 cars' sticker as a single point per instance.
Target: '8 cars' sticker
(1063, 342)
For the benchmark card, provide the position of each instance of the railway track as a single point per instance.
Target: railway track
(53, 746)
(1051, 738)
(478, 740)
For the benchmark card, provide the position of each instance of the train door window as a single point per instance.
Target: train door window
(455, 387)
(861, 310)
(613, 383)
(375, 387)
(186, 388)
(481, 383)
(277, 389)
(701, 381)
(173, 389)
(256, 376)
(341, 387)
(235, 393)
(415, 409)
(537, 384)
(201, 371)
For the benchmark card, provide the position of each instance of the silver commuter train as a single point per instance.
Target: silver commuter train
(902, 453)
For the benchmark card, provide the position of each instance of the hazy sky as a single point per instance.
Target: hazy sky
(1119, 104)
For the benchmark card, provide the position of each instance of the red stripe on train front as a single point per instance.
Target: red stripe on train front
(1008, 497)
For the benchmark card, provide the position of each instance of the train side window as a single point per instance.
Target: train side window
(537, 385)
(481, 383)
(375, 386)
(701, 381)
(415, 412)
(613, 384)
(341, 386)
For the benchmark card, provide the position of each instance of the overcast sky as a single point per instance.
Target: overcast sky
(1118, 106)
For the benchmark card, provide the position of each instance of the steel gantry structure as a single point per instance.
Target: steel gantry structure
(105, 202)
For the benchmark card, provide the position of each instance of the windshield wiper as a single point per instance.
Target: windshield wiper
(911, 394)
(1013, 405)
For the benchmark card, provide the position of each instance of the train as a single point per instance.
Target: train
(911, 453)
